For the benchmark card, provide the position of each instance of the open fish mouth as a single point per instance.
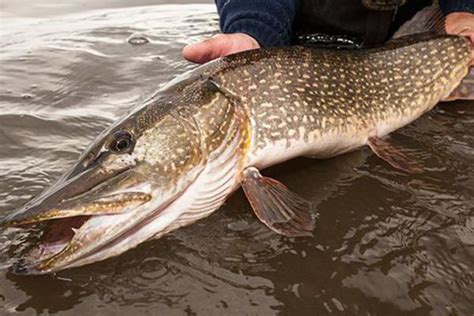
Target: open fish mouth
(57, 234)
(66, 241)
(79, 213)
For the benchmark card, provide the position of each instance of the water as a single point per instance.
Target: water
(387, 243)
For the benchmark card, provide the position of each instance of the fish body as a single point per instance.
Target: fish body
(321, 103)
(175, 159)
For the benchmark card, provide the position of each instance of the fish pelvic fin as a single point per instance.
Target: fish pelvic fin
(280, 209)
(427, 20)
(394, 155)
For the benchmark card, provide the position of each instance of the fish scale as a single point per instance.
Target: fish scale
(299, 94)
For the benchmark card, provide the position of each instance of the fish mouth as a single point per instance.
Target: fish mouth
(56, 235)
(80, 240)
(74, 216)
(82, 192)
(89, 221)
(65, 241)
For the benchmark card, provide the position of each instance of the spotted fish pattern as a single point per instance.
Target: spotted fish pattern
(325, 102)
(314, 102)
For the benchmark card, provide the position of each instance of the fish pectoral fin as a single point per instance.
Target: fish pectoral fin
(276, 206)
(393, 155)
(216, 86)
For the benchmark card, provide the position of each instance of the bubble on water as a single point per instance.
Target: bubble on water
(26, 96)
(138, 39)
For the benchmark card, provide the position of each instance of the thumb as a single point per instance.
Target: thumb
(208, 49)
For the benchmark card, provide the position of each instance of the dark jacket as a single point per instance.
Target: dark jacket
(276, 22)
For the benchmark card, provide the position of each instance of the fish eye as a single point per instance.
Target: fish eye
(122, 142)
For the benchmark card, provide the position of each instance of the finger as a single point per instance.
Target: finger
(207, 50)
(469, 35)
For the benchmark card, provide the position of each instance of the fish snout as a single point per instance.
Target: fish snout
(92, 191)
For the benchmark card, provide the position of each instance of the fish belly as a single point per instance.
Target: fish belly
(313, 145)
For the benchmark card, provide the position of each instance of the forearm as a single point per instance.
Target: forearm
(268, 21)
(449, 6)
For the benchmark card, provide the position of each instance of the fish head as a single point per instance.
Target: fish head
(120, 185)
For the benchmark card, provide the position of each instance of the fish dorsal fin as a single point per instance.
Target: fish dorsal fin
(276, 206)
(427, 20)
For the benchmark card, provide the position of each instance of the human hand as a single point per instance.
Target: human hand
(218, 46)
(461, 23)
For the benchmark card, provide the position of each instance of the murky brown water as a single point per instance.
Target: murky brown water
(387, 243)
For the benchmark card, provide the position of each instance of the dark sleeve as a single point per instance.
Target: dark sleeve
(449, 6)
(268, 21)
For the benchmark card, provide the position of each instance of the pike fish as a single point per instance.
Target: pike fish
(177, 157)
